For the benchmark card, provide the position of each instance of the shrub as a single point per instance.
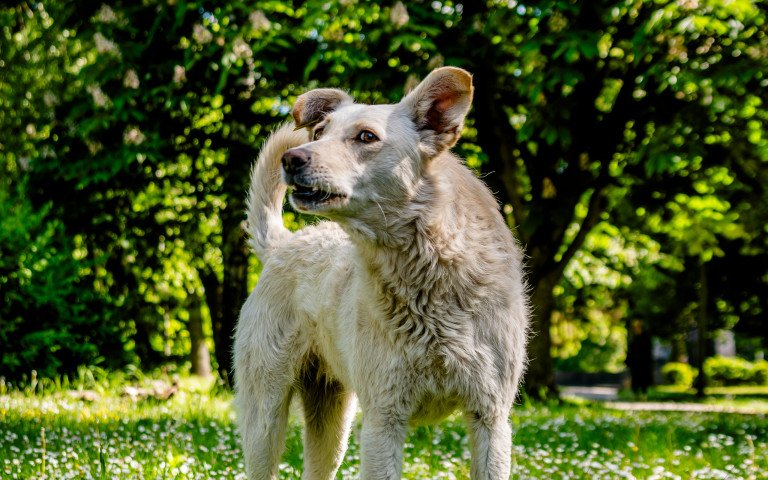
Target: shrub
(679, 374)
(731, 371)
(760, 372)
(51, 319)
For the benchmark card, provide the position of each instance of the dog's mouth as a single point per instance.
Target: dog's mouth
(311, 197)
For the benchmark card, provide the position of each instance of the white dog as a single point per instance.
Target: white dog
(411, 299)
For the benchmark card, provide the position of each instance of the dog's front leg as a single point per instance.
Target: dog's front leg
(381, 449)
(491, 446)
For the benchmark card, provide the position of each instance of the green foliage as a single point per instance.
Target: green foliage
(735, 371)
(42, 278)
(760, 372)
(624, 140)
(679, 374)
(593, 340)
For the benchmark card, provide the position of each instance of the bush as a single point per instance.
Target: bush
(760, 372)
(679, 374)
(735, 371)
(51, 319)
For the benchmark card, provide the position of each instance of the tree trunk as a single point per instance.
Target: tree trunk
(213, 298)
(701, 381)
(679, 349)
(539, 382)
(234, 290)
(199, 354)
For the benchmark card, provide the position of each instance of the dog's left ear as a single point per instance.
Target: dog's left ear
(313, 106)
(438, 106)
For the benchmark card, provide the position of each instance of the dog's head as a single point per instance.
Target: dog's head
(361, 156)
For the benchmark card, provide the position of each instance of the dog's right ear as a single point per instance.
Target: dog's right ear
(438, 106)
(313, 106)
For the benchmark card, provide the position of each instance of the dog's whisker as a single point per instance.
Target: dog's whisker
(386, 223)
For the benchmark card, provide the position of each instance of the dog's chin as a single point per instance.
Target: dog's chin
(316, 200)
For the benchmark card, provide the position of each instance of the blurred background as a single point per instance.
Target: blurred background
(627, 142)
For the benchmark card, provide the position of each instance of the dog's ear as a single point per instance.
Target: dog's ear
(313, 106)
(438, 106)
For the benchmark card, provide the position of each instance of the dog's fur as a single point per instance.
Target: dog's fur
(411, 299)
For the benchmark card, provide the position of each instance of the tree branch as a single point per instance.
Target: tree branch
(595, 209)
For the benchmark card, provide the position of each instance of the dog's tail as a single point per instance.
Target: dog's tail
(265, 197)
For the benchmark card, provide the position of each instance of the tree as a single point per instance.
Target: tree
(580, 103)
(43, 277)
(580, 109)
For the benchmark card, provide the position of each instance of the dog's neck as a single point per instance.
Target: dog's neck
(416, 244)
(442, 259)
(428, 282)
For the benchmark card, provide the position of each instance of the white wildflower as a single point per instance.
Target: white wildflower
(106, 14)
(241, 49)
(436, 61)
(50, 99)
(201, 34)
(93, 147)
(100, 99)
(131, 79)
(105, 45)
(179, 75)
(259, 21)
(399, 15)
(133, 136)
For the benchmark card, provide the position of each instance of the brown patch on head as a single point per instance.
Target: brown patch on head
(311, 107)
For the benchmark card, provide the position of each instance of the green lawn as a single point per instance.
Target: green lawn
(192, 436)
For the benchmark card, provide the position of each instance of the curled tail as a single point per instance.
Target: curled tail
(265, 196)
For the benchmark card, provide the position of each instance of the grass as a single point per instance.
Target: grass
(47, 433)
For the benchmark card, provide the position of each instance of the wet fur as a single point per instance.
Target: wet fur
(411, 300)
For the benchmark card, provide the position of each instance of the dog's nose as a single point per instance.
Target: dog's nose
(295, 159)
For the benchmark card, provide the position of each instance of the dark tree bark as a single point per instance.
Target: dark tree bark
(702, 327)
(234, 288)
(213, 298)
(539, 379)
(199, 354)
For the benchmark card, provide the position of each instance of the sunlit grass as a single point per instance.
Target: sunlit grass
(192, 436)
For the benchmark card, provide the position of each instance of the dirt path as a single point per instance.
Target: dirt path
(609, 396)
(683, 407)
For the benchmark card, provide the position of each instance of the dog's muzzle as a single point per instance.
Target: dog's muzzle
(295, 160)
(306, 191)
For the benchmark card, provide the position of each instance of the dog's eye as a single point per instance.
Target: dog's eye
(317, 134)
(367, 136)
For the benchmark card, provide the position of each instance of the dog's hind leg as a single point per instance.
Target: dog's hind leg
(263, 419)
(328, 413)
(491, 446)
(265, 374)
